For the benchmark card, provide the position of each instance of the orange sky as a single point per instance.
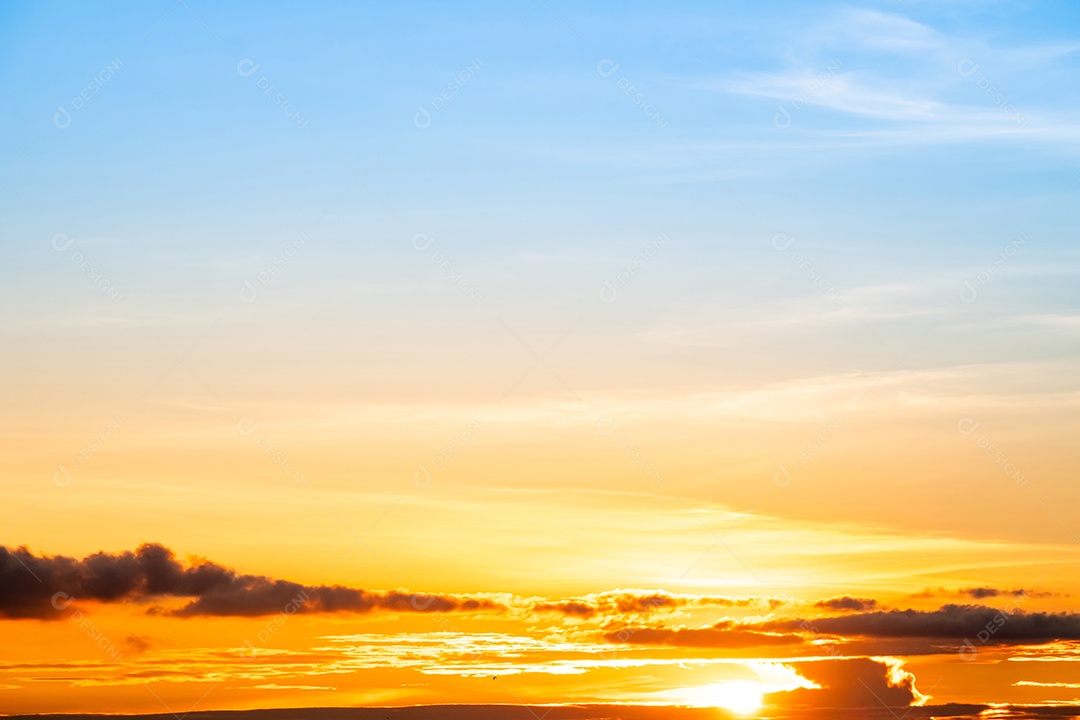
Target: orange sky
(699, 354)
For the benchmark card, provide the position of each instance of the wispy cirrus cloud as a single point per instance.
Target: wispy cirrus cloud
(851, 92)
(889, 78)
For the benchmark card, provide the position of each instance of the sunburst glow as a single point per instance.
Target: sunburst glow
(741, 697)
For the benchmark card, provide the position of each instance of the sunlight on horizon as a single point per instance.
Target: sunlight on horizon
(742, 696)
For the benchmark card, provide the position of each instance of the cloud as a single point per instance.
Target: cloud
(138, 643)
(567, 607)
(855, 683)
(981, 593)
(642, 602)
(984, 592)
(43, 587)
(847, 602)
(724, 634)
(870, 632)
(949, 622)
(835, 89)
(890, 32)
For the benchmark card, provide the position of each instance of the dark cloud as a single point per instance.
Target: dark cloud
(138, 643)
(567, 607)
(845, 603)
(959, 622)
(43, 587)
(626, 602)
(982, 593)
(853, 683)
(725, 634)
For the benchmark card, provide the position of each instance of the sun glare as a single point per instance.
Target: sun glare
(739, 696)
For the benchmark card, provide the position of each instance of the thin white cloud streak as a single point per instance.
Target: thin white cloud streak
(836, 65)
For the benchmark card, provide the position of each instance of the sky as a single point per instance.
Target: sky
(540, 353)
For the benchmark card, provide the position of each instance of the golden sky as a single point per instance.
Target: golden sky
(704, 355)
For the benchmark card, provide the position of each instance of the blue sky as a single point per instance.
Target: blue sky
(606, 271)
(865, 132)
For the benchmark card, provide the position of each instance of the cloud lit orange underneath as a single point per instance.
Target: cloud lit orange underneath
(139, 628)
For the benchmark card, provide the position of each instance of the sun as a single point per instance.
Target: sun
(738, 696)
